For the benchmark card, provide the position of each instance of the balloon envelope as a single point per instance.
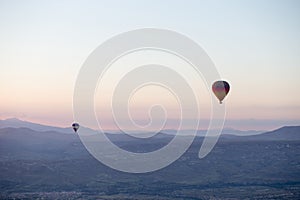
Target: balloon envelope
(221, 89)
(75, 127)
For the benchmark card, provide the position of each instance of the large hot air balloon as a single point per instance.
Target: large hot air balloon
(75, 127)
(220, 89)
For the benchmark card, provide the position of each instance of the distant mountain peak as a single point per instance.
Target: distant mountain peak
(13, 119)
(289, 127)
(17, 123)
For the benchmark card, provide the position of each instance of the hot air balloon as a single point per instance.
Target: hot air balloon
(75, 127)
(220, 89)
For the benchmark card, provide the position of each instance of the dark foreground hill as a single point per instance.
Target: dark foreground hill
(52, 165)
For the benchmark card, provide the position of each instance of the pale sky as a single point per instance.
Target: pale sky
(255, 45)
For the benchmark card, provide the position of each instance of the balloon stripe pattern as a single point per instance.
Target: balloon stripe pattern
(220, 89)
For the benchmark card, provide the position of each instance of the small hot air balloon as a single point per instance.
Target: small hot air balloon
(220, 89)
(75, 127)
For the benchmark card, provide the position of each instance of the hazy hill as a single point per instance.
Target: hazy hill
(284, 133)
(27, 142)
(27, 139)
(24, 143)
(17, 123)
(226, 131)
(287, 133)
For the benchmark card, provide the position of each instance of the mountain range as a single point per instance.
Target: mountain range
(17, 123)
(50, 163)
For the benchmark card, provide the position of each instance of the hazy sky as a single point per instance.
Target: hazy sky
(254, 44)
